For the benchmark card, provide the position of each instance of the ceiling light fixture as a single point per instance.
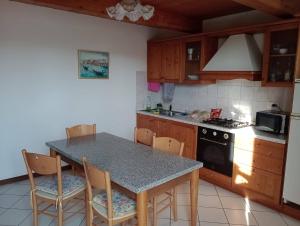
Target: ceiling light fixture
(132, 9)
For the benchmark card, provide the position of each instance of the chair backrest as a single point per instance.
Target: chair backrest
(43, 165)
(168, 144)
(144, 136)
(81, 130)
(100, 180)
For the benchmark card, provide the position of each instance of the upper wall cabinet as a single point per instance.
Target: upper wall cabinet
(196, 53)
(154, 61)
(179, 60)
(171, 61)
(164, 61)
(280, 55)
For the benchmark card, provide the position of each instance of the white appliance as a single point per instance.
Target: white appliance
(291, 190)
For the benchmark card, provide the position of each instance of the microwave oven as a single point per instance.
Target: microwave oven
(272, 121)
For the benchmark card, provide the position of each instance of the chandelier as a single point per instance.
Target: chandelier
(132, 9)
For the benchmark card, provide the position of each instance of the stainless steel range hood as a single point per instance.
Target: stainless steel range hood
(239, 53)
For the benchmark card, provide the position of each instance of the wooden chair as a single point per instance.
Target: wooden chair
(143, 136)
(55, 189)
(175, 147)
(111, 206)
(81, 130)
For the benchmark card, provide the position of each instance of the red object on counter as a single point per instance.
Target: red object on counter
(215, 113)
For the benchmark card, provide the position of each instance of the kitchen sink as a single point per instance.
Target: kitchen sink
(167, 113)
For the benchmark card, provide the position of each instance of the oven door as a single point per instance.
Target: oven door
(216, 155)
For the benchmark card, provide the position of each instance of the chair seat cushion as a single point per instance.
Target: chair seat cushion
(122, 204)
(70, 185)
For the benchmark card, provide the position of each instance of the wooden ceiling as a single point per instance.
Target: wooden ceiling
(200, 9)
(181, 15)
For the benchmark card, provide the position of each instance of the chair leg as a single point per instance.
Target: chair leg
(174, 204)
(60, 216)
(154, 219)
(35, 211)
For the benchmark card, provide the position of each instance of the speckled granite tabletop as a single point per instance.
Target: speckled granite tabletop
(133, 166)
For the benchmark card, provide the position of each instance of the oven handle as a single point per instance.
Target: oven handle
(216, 142)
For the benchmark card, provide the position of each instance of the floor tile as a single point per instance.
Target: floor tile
(75, 206)
(72, 221)
(290, 221)
(18, 190)
(7, 201)
(4, 188)
(233, 203)
(14, 217)
(205, 183)
(257, 207)
(183, 189)
(241, 217)
(212, 215)
(207, 190)
(2, 210)
(23, 203)
(183, 199)
(267, 218)
(44, 220)
(212, 224)
(209, 201)
(225, 193)
(183, 212)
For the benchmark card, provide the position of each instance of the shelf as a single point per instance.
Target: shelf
(200, 81)
(278, 84)
(228, 75)
(193, 61)
(283, 55)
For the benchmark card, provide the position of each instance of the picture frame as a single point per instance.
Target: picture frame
(93, 64)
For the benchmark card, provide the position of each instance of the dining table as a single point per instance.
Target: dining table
(139, 170)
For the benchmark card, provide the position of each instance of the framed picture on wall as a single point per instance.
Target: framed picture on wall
(93, 64)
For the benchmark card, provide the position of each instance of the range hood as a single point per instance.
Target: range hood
(238, 56)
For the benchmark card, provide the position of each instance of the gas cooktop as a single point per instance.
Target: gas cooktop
(227, 123)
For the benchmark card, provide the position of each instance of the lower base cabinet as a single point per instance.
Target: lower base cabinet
(258, 164)
(166, 128)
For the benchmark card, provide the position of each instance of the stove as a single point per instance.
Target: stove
(227, 123)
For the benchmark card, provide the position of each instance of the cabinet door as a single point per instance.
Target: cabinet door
(171, 61)
(186, 134)
(154, 61)
(260, 181)
(148, 122)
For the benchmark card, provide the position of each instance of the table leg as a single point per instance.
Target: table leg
(142, 210)
(194, 196)
(52, 153)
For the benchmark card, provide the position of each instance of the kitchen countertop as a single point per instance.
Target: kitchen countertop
(249, 131)
(133, 166)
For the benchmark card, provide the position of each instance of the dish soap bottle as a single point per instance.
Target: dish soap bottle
(148, 103)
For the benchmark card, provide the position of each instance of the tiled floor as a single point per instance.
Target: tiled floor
(217, 207)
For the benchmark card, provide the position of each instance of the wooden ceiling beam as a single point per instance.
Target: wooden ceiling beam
(281, 8)
(161, 19)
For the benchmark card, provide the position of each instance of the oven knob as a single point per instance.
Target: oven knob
(215, 133)
(226, 136)
(204, 131)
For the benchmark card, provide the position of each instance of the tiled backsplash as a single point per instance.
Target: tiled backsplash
(239, 99)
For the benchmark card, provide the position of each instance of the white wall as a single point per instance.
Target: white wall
(40, 93)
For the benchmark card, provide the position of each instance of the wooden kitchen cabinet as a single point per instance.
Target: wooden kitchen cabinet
(171, 61)
(154, 60)
(280, 55)
(164, 61)
(144, 121)
(258, 168)
(167, 128)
